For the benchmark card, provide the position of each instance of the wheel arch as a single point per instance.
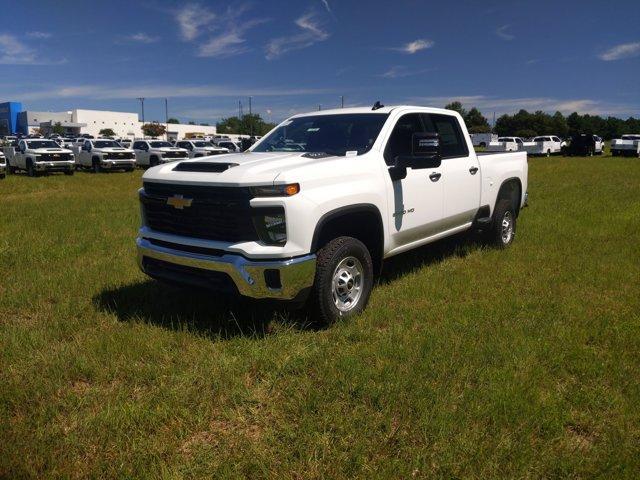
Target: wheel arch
(511, 189)
(361, 221)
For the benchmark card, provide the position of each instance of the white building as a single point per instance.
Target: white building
(124, 125)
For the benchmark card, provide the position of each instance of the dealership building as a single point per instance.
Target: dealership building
(14, 120)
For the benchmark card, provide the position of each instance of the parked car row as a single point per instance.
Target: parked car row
(583, 144)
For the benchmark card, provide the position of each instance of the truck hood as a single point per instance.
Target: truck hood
(246, 168)
(49, 150)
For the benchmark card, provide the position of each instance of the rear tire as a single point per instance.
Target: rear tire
(95, 166)
(31, 171)
(503, 227)
(343, 280)
(153, 162)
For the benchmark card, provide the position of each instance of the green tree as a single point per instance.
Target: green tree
(173, 120)
(57, 128)
(525, 133)
(107, 132)
(476, 122)
(457, 106)
(246, 125)
(153, 129)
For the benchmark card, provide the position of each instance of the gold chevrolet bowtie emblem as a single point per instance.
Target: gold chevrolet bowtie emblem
(179, 202)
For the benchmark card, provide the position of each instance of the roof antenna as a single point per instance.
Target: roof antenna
(377, 105)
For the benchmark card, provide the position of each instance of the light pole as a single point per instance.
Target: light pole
(250, 119)
(166, 118)
(341, 101)
(142, 104)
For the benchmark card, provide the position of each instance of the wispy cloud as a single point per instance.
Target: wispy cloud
(311, 32)
(503, 34)
(415, 46)
(105, 92)
(502, 105)
(230, 41)
(618, 52)
(39, 35)
(15, 52)
(192, 20)
(141, 37)
(400, 71)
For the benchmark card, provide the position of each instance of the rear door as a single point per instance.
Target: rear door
(415, 202)
(460, 170)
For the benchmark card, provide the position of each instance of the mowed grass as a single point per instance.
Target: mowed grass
(468, 363)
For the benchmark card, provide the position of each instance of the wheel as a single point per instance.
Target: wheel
(69, 172)
(548, 152)
(31, 171)
(95, 166)
(590, 153)
(343, 281)
(153, 161)
(503, 227)
(483, 145)
(10, 169)
(2, 176)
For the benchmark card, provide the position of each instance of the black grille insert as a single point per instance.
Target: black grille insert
(211, 213)
(200, 166)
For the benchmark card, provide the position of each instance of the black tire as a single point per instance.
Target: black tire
(340, 252)
(548, 152)
(2, 176)
(496, 235)
(95, 166)
(153, 162)
(31, 171)
(69, 173)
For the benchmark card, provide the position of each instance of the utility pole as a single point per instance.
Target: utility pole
(319, 107)
(166, 118)
(341, 101)
(250, 119)
(142, 104)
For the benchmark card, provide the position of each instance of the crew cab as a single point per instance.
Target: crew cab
(3, 166)
(310, 212)
(584, 144)
(627, 145)
(39, 156)
(200, 148)
(105, 154)
(544, 145)
(506, 144)
(150, 153)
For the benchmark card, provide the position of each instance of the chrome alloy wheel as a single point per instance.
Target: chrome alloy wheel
(347, 283)
(507, 228)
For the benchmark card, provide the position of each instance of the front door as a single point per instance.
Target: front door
(415, 202)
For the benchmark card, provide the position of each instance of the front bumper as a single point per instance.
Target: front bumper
(276, 279)
(55, 166)
(114, 164)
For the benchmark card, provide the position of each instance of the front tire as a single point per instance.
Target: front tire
(31, 171)
(503, 228)
(343, 281)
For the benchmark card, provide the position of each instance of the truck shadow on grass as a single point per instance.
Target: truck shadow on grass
(221, 317)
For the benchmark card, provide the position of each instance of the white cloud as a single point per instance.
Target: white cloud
(39, 35)
(15, 52)
(103, 92)
(400, 71)
(625, 50)
(192, 20)
(231, 41)
(501, 105)
(415, 46)
(503, 34)
(311, 33)
(141, 37)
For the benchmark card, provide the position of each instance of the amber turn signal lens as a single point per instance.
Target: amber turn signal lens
(292, 189)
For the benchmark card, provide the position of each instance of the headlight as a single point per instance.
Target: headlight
(276, 190)
(271, 225)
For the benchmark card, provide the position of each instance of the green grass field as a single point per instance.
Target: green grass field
(468, 363)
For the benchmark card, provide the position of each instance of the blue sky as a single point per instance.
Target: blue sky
(291, 56)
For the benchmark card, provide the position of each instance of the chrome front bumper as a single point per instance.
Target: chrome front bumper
(118, 163)
(277, 279)
(53, 166)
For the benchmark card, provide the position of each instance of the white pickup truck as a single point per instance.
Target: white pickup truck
(544, 145)
(628, 145)
(483, 139)
(506, 144)
(39, 156)
(310, 212)
(105, 154)
(201, 148)
(150, 153)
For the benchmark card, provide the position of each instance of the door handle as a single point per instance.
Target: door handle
(473, 170)
(435, 176)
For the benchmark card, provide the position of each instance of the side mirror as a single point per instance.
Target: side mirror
(425, 153)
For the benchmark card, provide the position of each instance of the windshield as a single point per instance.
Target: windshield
(160, 144)
(203, 144)
(42, 144)
(106, 144)
(631, 137)
(331, 134)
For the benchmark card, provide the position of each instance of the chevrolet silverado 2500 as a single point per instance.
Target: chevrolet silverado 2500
(105, 154)
(627, 145)
(310, 212)
(40, 155)
(150, 153)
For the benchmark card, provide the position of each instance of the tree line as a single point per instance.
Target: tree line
(527, 124)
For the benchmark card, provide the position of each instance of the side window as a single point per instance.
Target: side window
(137, 145)
(555, 139)
(452, 142)
(399, 143)
(518, 140)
